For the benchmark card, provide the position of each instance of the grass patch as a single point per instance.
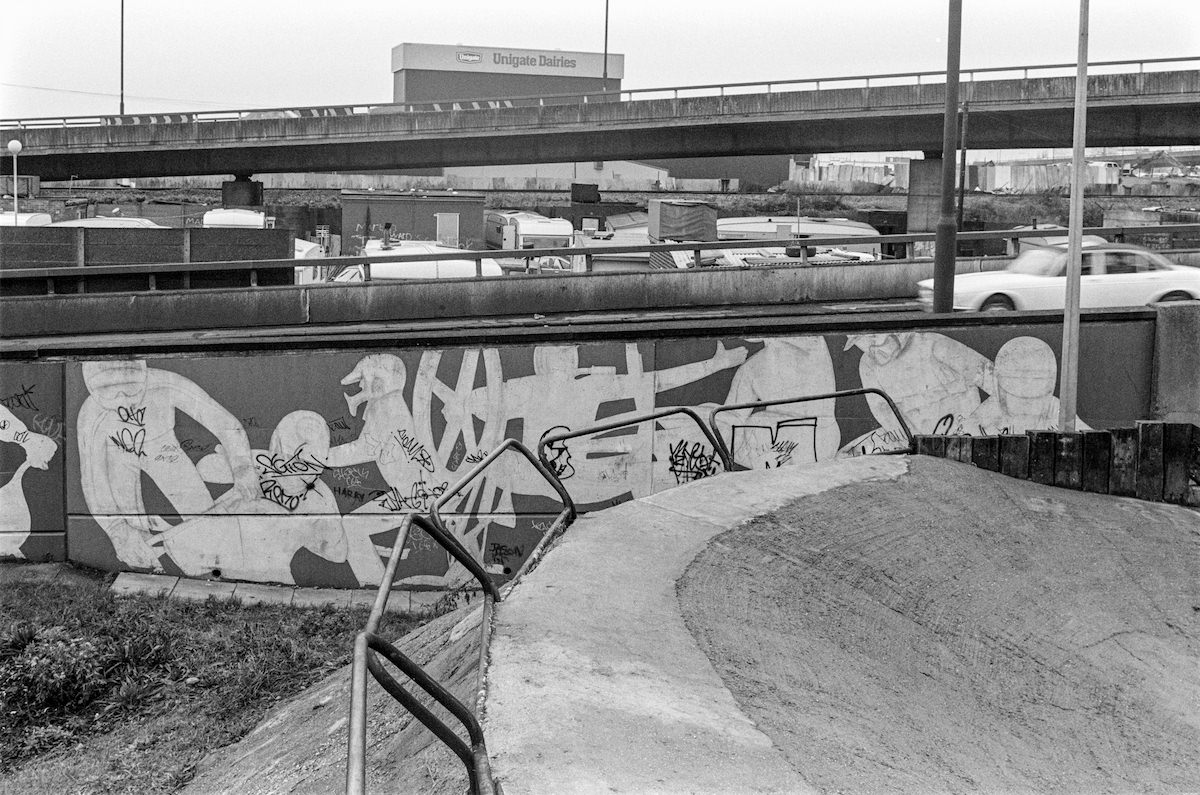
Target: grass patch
(100, 694)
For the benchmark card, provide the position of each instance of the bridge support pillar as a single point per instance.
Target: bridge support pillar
(924, 199)
(242, 192)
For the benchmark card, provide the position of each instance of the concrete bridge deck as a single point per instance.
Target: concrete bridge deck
(1134, 109)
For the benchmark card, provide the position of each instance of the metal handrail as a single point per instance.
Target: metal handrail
(368, 644)
(716, 442)
(712, 415)
(565, 517)
(488, 103)
(585, 251)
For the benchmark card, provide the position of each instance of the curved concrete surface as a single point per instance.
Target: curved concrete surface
(596, 684)
(894, 625)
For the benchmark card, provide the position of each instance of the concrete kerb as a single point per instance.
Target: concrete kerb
(249, 593)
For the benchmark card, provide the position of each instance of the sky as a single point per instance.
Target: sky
(242, 54)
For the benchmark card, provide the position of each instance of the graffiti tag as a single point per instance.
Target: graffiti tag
(132, 416)
(420, 498)
(20, 400)
(296, 464)
(688, 463)
(413, 449)
(130, 441)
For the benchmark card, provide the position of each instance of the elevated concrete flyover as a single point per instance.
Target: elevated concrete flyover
(1129, 107)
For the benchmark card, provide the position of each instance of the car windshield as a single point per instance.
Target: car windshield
(1038, 262)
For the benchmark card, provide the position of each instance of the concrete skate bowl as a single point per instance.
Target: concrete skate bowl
(958, 631)
(883, 625)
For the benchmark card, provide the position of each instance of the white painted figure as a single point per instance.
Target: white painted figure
(15, 520)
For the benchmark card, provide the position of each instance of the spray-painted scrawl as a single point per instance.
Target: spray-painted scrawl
(325, 470)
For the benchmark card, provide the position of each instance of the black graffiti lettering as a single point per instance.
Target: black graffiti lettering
(475, 457)
(499, 553)
(420, 498)
(783, 451)
(296, 464)
(413, 450)
(130, 442)
(691, 463)
(132, 416)
(340, 424)
(275, 493)
(20, 400)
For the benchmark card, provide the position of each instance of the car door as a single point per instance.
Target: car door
(1124, 278)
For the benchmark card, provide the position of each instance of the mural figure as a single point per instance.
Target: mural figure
(293, 510)
(796, 433)
(126, 427)
(1023, 399)
(561, 394)
(934, 380)
(15, 520)
(424, 421)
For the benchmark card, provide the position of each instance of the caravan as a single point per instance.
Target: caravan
(518, 229)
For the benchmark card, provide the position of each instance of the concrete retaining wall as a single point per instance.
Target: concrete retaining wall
(470, 298)
(294, 466)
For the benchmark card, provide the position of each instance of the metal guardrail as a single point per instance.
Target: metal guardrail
(718, 445)
(588, 252)
(758, 404)
(625, 95)
(368, 645)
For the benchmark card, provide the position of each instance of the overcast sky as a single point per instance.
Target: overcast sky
(251, 54)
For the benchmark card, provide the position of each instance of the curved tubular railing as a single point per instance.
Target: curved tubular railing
(712, 415)
(368, 645)
(565, 517)
(715, 440)
(474, 756)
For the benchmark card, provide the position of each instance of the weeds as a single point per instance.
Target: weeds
(78, 665)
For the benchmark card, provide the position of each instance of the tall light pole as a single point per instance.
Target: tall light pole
(14, 146)
(122, 57)
(1068, 379)
(604, 85)
(946, 238)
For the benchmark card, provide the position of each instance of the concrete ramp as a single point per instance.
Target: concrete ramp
(879, 625)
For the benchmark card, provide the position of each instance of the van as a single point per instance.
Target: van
(433, 269)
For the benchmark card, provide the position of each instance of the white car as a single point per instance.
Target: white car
(428, 269)
(1112, 274)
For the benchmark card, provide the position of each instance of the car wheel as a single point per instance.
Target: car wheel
(997, 303)
(1178, 295)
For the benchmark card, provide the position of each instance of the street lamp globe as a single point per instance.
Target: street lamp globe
(14, 146)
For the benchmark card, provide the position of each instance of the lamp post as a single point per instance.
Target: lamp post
(122, 110)
(604, 84)
(14, 146)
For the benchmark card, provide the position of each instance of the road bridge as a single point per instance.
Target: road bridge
(1135, 103)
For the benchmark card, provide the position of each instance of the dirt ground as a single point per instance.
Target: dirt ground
(301, 747)
(959, 631)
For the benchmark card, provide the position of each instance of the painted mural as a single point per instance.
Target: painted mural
(297, 468)
(31, 464)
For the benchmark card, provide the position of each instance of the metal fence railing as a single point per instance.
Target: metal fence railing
(728, 454)
(1166, 237)
(1023, 72)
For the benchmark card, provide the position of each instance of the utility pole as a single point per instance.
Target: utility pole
(962, 165)
(1069, 366)
(122, 57)
(604, 84)
(946, 237)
